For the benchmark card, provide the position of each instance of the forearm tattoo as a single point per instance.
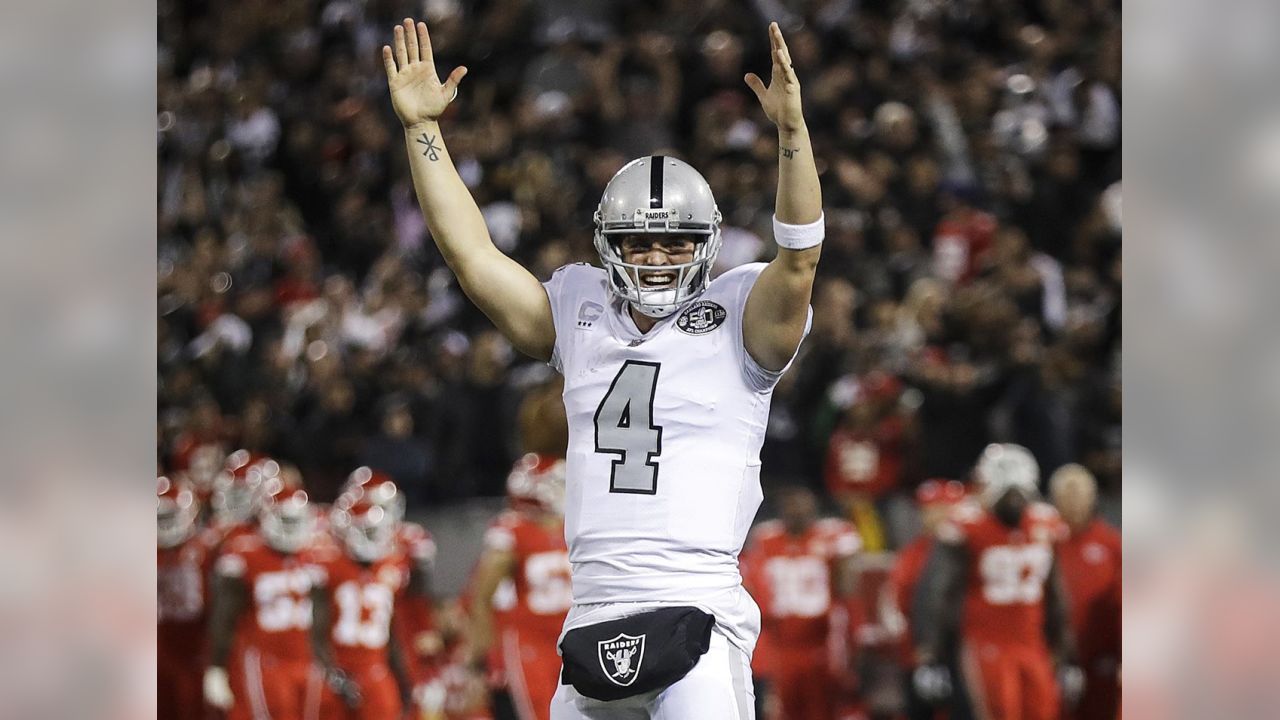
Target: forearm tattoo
(789, 153)
(432, 152)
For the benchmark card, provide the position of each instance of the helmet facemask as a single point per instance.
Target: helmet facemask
(288, 524)
(370, 536)
(691, 278)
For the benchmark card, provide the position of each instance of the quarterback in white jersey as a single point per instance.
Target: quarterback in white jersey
(668, 377)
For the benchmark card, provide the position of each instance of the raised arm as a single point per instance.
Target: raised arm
(778, 306)
(507, 293)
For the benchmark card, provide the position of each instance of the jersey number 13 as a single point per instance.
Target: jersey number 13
(624, 427)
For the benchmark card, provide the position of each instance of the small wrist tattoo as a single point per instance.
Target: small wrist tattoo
(789, 153)
(432, 152)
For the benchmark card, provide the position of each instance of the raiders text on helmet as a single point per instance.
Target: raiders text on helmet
(657, 195)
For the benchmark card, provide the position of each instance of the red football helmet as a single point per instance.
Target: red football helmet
(238, 490)
(365, 527)
(377, 487)
(537, 482)
(365, 515)
(176, 511)
(202, 469)
(286, 518)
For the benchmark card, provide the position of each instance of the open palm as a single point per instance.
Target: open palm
(781, 99)
(416, 91)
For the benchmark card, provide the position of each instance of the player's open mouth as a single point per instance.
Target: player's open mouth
(657, 279)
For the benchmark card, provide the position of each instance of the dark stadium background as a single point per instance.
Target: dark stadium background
(969, 289)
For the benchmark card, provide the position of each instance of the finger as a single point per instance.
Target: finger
(780, 42)
(402, 54)
(424, 42)
(774, 33)
(388, 62)
(455, 77)
(783, 66)
(756, 84)
(411, 40)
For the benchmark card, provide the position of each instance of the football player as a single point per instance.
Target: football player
(358, 580)
(995, 578)
(865, 455)
(525, 545)
(800, 570)
(935, 498)
(262, 610)
(668, 380)
(183, 559)
(1090, 561)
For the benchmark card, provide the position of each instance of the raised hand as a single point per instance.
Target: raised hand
(781, 99)
(416, 91)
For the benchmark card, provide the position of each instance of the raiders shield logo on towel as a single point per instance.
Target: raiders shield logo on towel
(620, 658)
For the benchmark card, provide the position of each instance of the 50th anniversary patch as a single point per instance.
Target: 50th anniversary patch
(701, 318)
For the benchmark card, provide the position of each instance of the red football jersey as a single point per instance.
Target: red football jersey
(1090, 562)
(182, 598)
(1006, 571)
(277, 618)
(865, 462)
(542, 587)
(362, 597)
(792, 578)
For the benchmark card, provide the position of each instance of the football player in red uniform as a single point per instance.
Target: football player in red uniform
(526, 544)
(996, 580)
(414, 619)
(1090, 562)
(184, 556)
(865, 456)
(262, 606)
(798, 568)
(358, 580)
(936, 498)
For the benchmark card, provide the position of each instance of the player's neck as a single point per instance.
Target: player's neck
(643, 322)
(1080, 526)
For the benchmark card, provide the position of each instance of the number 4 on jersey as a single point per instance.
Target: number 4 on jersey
(624, 426)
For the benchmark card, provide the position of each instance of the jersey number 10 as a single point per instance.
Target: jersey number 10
(624, 426)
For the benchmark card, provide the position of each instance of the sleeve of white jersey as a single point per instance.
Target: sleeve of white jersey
(560, 293)
(742, 279)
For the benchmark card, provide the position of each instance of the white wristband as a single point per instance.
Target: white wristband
(799, 237)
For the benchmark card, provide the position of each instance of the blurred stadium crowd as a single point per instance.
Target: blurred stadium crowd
(969, 290)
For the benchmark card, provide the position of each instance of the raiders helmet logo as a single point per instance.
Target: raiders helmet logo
(701, 318)
(620, 658)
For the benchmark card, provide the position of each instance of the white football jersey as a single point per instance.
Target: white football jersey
(665, 429)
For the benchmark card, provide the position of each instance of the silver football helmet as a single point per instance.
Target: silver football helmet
(663, 195)
(1003, 467)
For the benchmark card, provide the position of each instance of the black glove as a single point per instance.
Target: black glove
(932, 682)
(346, 688)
